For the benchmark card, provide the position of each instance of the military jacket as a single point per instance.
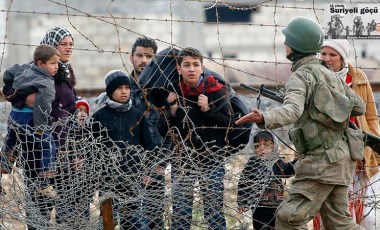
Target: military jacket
(325, 157)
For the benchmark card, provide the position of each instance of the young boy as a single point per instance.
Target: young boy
(260, 186)
(195, 108)
(36, 78)
(125, 129)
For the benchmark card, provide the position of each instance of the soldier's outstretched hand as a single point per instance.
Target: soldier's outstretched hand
(254, 116)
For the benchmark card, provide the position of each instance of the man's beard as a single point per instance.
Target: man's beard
(137, 71)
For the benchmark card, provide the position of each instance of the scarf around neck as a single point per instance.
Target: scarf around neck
(212, 85)
(343, 72)
(104, 100)
(65, 68)
(63, 73)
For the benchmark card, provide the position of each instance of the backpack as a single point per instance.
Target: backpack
(161, 73)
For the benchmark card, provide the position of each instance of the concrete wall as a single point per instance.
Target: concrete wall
(100, 46)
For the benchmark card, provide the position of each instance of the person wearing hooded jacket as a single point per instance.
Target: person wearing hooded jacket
(260, 185)
(319, 105)
(36, 78)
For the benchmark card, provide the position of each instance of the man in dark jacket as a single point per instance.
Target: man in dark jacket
(199, 115)
(143, 51)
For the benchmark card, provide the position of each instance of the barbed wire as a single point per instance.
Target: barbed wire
(81, 188)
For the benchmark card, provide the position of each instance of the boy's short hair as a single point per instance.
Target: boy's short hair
(146, 43)
(189, 52)
(262, 135)
(44, 53)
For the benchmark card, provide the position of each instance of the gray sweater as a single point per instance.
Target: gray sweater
(34, 79)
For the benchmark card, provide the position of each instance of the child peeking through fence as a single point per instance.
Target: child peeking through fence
(260, 186)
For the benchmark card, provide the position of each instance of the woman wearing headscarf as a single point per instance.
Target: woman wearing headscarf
(335, 53)
(64, 81)
(65, 96)
(62, 107)
(64, 103)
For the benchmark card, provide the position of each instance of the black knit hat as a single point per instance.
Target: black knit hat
(114, 79)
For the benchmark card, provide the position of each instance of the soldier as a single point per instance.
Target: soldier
(319, 104)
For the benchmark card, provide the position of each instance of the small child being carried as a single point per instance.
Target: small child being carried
(31, 124)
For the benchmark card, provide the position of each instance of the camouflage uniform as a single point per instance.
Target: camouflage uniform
(325, 169)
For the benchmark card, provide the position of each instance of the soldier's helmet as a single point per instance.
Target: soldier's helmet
(304, 35)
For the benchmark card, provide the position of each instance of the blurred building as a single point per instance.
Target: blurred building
(238, 34)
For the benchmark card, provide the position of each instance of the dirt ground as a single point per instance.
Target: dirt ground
(13, 188)
(10, 201)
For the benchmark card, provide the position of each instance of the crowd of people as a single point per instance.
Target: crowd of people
(322, 95)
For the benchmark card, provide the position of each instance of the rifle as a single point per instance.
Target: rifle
(369, 139)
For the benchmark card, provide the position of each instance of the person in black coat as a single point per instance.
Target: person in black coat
(143, 51)
(77, 172)
(124, 134)
(199, 117)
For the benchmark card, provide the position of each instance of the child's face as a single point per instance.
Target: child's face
(264, 147)
(121, 94)
(191, 69)
(82, 113)
(51, 66)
